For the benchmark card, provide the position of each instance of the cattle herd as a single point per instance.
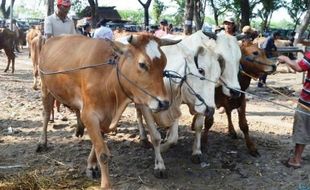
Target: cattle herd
(204, 71)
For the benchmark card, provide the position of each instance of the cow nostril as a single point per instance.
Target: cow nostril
(163, 105)
(234, 93)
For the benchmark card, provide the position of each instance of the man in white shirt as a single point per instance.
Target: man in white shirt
(59, 23)
(103, 32)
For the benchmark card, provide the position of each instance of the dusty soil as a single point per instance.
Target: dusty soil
(227, 164)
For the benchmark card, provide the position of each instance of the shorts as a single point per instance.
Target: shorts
(301, 126)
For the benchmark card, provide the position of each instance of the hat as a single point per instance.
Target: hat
(229, 19)
(164, 22)
(64, 2)
(247, 29)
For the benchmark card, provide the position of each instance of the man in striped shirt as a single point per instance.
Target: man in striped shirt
(301, 126)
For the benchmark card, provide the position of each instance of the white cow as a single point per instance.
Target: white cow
(200, 62)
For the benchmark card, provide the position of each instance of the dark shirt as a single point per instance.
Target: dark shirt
(269, 46)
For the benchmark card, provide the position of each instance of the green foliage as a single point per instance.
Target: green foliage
(179, 15)
(24, 12)
(158, 8)
(78, 6)
(295, 9)
(136, 16)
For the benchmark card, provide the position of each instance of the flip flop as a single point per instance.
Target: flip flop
(290, 165)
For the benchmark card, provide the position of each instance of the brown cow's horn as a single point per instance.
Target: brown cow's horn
(131, 39)
(168, 42)
(210, 35)
(241, 36)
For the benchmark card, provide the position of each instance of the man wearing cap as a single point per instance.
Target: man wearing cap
(163, 29)
(59, 23)
(229, 26)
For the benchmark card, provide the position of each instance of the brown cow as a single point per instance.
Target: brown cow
(35, 47)
(31, 34)
(99, 78)
(254, 63)
(7, 38)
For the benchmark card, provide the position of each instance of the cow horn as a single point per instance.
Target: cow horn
(168, 42)
(241, 36)
(132, 39)
(210, 35)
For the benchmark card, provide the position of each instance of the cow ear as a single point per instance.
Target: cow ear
(210, 35)
(168, 42)
(118, 47)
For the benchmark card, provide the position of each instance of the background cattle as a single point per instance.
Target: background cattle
(7, 38)
(100, 82)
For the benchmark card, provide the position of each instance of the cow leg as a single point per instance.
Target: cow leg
(231, 129)
(13, 64)
(142, 133)
(103, 154)
(35, 73)
(92, 170)
(48, 101)
(8, 65)
(160, 169)
(197, 126)
(208, 124)
(245, 129)
(172, 136)
(79, 130)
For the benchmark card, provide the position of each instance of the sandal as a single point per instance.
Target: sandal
(288, 164)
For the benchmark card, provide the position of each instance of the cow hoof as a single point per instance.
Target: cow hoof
(41, 148)
(161, 174)
(146, 144)
(255, 153)
(93, 173)
(196, 159)
(6, 70)
(233, 135)
(79, 131)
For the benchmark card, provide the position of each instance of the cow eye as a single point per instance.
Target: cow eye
(201, 71)
(255, 53)
(143, 66)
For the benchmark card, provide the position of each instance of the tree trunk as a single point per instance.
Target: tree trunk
(189, 14)
(303, 26)
(199, 15)
(6, 12)
(146, 11)
(245, 12)
(94, 12)
(49, 7)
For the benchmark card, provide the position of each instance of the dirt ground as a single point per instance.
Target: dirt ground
(227, 164)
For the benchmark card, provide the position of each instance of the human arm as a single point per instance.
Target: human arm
(292, 63)
(48, 28)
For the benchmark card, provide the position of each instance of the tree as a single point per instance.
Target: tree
(189, 14)
(135, 16)
(146, 6)
(94, 11)
(179, 15)
(219, 7)
(6, 12)
(296, 8)
(199, 13)
(269, 6)
(304, 24)
(158, 8)
(49, 7)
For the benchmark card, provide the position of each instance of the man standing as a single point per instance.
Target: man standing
(269, 47)
(301, 126)
(229, 26)
(59, 23)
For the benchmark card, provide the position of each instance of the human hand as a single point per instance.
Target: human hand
(283, 59)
